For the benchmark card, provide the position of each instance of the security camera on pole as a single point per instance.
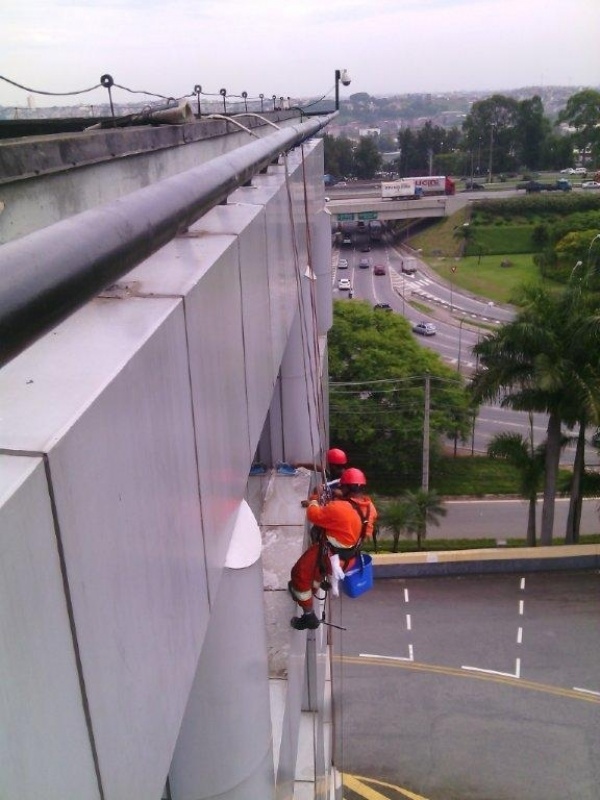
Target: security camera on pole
(340, 75)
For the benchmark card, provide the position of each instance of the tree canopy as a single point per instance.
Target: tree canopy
(377, 395)
(582, 112)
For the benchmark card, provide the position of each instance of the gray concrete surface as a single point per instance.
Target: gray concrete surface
(478, 688)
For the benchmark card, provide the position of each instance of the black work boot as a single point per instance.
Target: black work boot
(307, 620)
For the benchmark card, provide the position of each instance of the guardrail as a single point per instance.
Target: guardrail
(47, 275)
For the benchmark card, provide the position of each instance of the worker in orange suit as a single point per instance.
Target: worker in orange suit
(336, 461)
(345, 521)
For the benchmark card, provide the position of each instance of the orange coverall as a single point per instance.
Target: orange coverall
(343, 527)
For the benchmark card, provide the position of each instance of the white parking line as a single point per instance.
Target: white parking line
(517, 672)
(390, 658)
(586, 691)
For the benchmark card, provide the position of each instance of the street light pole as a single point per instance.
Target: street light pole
(403, 291)
(491, 151)
(460, 324)
(425, 474)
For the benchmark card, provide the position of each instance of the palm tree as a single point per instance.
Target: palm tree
(529, 461)
(424, 507)
(537, 363)
(582, 298)
(395, 516)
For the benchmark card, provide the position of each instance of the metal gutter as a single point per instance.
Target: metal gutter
(49, 274)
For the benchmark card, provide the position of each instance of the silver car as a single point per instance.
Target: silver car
(425, 328)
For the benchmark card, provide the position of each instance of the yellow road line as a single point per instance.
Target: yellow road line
(480, 676)
(357, 784)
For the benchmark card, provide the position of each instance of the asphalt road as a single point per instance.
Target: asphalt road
(479, 688)
(506, 518)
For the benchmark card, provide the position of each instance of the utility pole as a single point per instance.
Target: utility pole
(425, 480)
(491, 151)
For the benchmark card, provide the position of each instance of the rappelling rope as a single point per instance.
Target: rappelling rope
(308, 354)
(313, 356)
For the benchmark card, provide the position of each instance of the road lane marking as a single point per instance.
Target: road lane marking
(365, 659)
(358, 784)
(586, 691)
(408, 623)
(521, 607)
(520, 636)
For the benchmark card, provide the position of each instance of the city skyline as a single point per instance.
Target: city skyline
(388, 47)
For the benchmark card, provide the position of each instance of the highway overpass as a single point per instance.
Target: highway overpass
(359, 209)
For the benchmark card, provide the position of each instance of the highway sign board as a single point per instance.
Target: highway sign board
(367, 215)
(345, 217)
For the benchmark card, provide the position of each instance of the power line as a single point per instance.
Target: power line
(53, 94)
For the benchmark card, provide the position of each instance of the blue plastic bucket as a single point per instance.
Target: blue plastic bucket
(359, 579)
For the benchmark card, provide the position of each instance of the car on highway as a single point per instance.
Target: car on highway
(567, 171)
(344, 285)
(364, 263)
(425, 329)
(365, 248)
(382, 307)
(590, 185)
(378, 269)
(343, 263)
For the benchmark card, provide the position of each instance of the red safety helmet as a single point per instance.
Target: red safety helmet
(353, 477)
(336, 456)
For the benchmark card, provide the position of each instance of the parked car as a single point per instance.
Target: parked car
(343, 263)
(344, 285)
(590, 185)
(379, 269)
(473, 186)
(567, 171)
(364, 263)
(580, 171)
(382, 307)
(425, 328)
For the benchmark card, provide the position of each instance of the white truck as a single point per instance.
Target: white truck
(400, 190)
(408, 265)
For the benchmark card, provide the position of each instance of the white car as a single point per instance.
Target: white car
(590, 185)
(567, 171)
(343, 263)
(580, 171)
(344, 285)
(425, 328)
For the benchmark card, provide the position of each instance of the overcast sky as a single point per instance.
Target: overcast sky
(293, 47)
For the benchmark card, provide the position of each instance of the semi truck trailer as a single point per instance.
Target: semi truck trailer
(412, 188)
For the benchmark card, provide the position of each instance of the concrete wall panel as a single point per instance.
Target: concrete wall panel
(148, 405)
(123, 471)
(45, 749)
(225, 743)
(269, 190)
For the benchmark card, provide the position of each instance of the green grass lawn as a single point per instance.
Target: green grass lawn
(485, 276)
(477, 476)
(482, 272)
(384, 544)
(502, 239)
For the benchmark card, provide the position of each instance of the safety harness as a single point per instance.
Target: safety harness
(345, 553)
